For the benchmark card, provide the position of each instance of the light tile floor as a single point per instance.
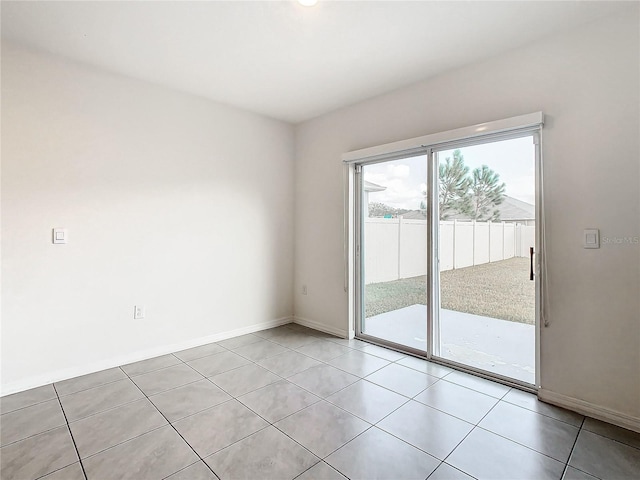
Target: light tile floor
(291, 402)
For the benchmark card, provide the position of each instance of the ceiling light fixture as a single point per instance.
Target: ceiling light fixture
(307, 3)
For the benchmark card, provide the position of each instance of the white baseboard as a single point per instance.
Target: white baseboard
(590, 409)
(57, 376)
(338, 332)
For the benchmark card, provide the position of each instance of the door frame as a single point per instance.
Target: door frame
(515, 127)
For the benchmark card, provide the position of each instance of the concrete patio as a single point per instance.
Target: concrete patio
(498, 346)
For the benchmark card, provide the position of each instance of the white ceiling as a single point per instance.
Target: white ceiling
(283, 60)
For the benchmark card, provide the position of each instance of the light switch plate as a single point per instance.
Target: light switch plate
(60, 235)
(591, 238)
(138, 312)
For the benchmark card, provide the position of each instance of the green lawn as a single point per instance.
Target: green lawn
(498, 290)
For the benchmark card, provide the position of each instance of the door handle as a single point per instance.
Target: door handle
(531, 264)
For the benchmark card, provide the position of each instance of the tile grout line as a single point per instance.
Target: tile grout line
(70, 432)
(531, 448)
(110, 409)
(27, 406)
(442, 411)
(78, 420)
(286, 379)
(544, 414)
(33, 434)
(237, 399)
(138, 399)
(391, 413)
(320, 399)
(231, 396)
(272, 424)
(523, 445)
(337, 391)
(281, 379)
(130, 377)
(356, 415)
(401, 439)
(154, 370)
(467, 435)
(269, 423)
(104, 411)
(174, 429)
(418, 448)
(451, 466)
(315, 465)
(610, 438)
(326, 362)
(88, 388)
(566, 466)
(370, 425)
(172, 388)
(234, 397)
(184, 468)
(122, 442)
(475, 391)
(477, 426)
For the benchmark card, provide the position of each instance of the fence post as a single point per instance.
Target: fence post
(453, 250)
(503, 240)
(489, 241)
(399, 244)
(473, 245)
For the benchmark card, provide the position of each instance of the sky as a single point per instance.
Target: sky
(406, 179)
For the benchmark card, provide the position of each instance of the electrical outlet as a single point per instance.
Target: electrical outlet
(304, 289)
(138, 312)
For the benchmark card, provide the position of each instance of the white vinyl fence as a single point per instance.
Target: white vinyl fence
(396, 248)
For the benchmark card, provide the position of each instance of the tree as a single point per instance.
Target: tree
(377, 209)
(453, 192)
(486, 193)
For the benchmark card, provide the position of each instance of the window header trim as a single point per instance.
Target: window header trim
(418, 145)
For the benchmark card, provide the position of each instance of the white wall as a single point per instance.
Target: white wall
(172, 201)
(586, 82)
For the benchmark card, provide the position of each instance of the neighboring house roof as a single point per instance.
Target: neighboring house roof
(514, 209)
(373, 187)
(415, 215)
(511, 209)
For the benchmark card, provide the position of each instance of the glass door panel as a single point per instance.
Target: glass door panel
(486, 293)
(393, 239)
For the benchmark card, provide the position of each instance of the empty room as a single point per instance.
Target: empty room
(313, 239)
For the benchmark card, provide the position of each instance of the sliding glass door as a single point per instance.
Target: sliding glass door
(447, 239)
(393, 233)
